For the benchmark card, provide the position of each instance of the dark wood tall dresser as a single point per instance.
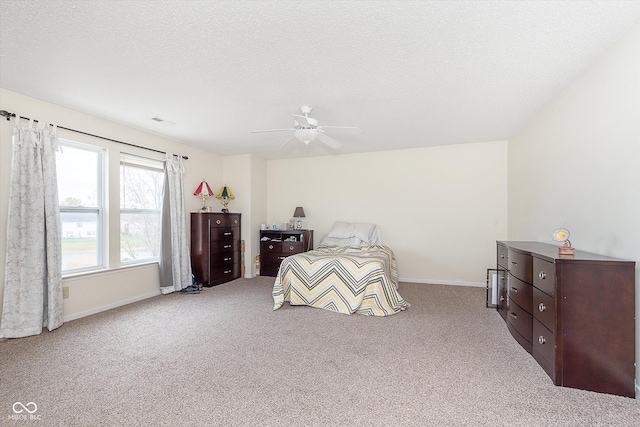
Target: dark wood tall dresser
(574, 313)
(215, 247)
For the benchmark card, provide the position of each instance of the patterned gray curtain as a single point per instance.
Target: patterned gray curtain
(175, 261)
(33, 274)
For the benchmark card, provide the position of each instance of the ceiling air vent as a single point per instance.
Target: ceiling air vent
(163, 121)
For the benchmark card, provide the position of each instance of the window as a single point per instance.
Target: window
(141, 185)
(81, 206)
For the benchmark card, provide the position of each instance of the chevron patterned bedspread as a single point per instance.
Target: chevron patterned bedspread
(343, 279)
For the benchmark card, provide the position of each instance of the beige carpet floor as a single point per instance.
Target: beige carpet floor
(225, 358)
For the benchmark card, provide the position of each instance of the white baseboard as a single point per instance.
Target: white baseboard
(442, 282)
(110, 306)
(156, 293)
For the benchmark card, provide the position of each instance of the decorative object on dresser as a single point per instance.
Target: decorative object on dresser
(276, 245)
(215, 247)
(203, 191)
(298, 213)
(224, 195)
(574, 314)
(562, 235)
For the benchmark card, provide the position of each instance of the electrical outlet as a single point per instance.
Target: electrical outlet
(65, 292)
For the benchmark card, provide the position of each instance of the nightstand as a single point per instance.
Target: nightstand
(276, 245)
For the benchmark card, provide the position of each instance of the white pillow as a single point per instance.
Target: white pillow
(341, 230)
(335, 241)
(363, 231)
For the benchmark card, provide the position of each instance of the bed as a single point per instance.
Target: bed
(349, 272)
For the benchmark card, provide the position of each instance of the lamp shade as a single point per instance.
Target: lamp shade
(299, 212)
(203, 190)
(225, 194)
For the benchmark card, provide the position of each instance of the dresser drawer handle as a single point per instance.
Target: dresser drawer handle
(514, 290)
(501, 256)
(270, 246)
(218, 221)
(290, 248)
(514, 263)
(227, 271)
(227, 233)
(541, 339)
(542, 307)
(226, 246)
(542, 275)
(515, 316)
(227, 259)
(501, 298)
(281, 257)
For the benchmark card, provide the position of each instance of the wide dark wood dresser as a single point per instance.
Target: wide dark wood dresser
(276, 245)
(215, 247)
(574, 313)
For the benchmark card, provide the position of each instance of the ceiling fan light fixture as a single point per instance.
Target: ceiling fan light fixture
(306, 135)
(306, 130)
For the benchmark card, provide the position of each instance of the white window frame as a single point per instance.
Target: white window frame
(101, 234)
(141, 162)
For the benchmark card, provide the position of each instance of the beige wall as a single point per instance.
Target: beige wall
(90, 293)
(577, 164)
(440, 209)
(258, 210)
(246, 176)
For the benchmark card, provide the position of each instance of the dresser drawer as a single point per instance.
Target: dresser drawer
(225, 221)
(225, 274)
(222, 246)
(502, 302)
(521, 265)
(520, 320)
(290, 248)
(544, 309)
(502, 294)
(225, 259)
(269, 247)
(275, 257)
(225, 233)
(525, 343)
(520, 292)
(544, 348)
(544, 276)
(502, 257)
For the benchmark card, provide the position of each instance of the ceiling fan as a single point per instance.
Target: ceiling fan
(306, 129)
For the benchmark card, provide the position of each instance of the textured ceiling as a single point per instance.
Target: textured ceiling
(408, 73)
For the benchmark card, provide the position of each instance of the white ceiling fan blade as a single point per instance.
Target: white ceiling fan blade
(288, 141)
(269, 130)
(302, 120)
(339, 127)
(329, 141)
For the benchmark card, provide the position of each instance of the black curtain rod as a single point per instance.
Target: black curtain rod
(8, 115)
